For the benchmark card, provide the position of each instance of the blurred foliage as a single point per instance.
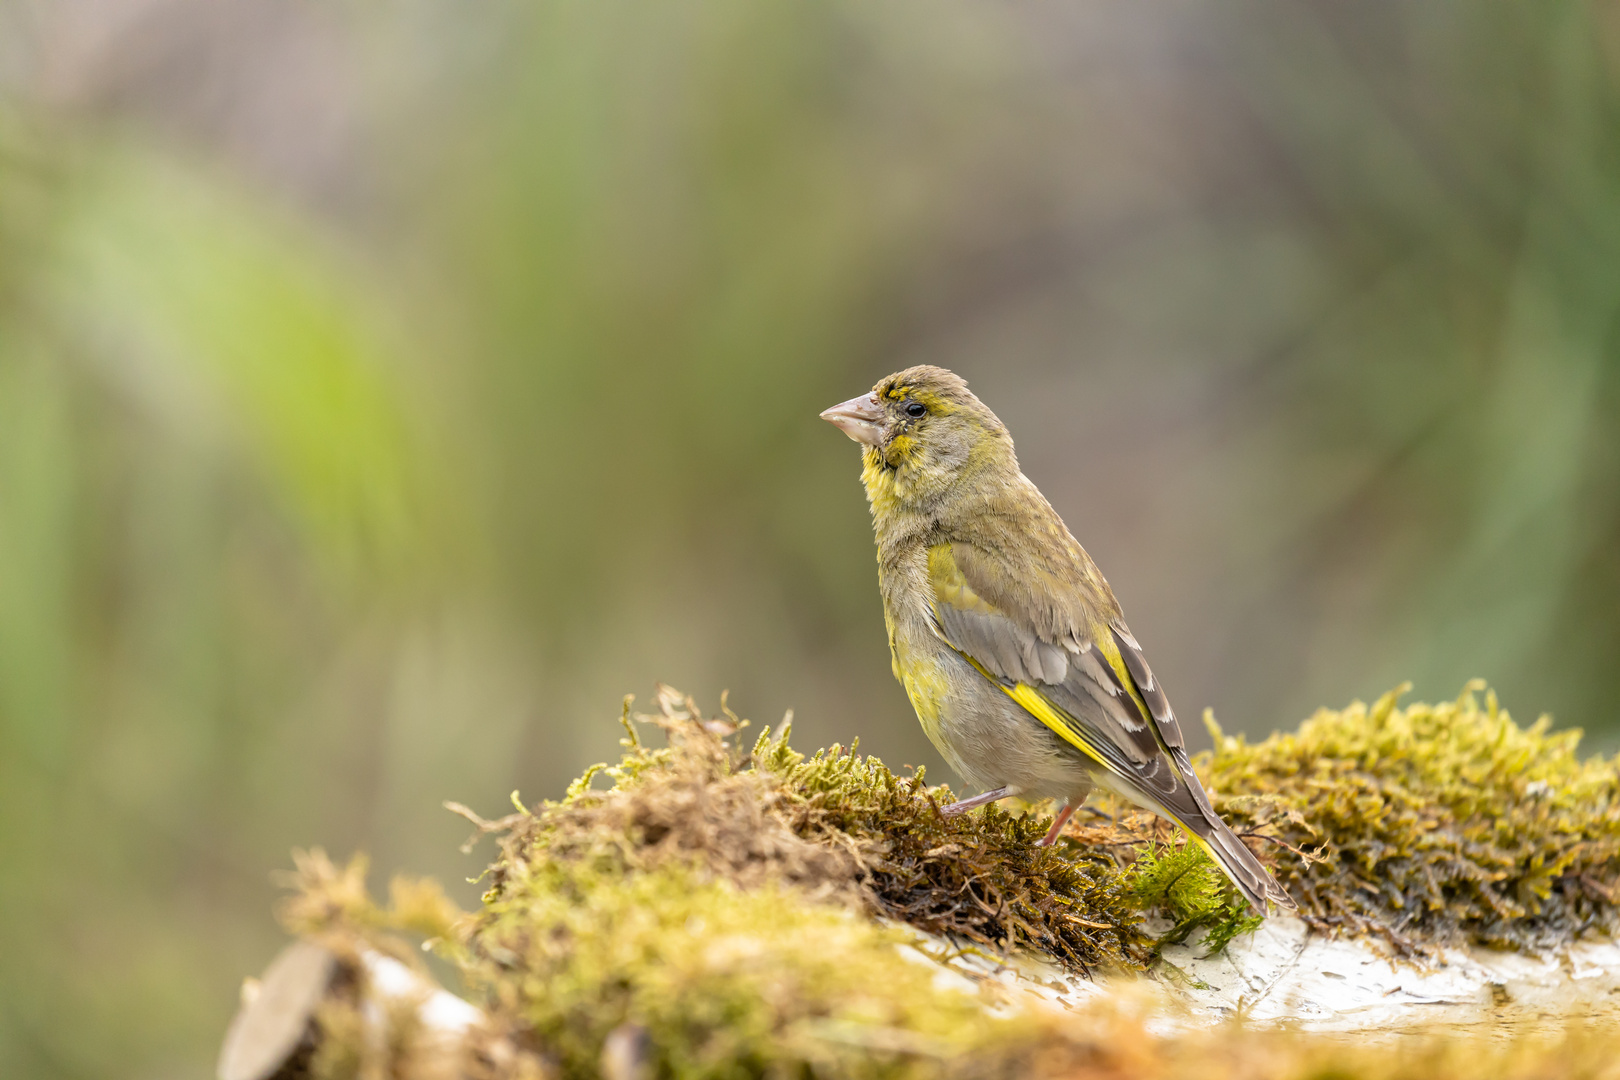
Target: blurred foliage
(383, 390)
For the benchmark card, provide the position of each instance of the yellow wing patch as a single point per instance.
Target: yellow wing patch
(1041, 709)
(951, 587)
(1035, 703)
(1038, 707)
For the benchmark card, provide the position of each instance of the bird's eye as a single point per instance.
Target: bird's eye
(916, 408)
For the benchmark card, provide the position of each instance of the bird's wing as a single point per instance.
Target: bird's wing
(1053, 640)
(1085, 679)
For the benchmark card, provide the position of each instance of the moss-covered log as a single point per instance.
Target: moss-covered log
(718, 906)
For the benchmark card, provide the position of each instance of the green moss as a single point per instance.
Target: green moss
(720, 981)
(716, 897)
(1185, 884)
(977, 876)
(710, 901)
(1433, 823)
(844, 828)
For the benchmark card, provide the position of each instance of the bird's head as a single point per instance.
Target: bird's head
(922, 433)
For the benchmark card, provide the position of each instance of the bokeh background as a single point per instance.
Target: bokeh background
(385, 390)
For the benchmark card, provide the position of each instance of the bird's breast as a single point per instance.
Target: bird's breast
(914, 649)
(926, 681)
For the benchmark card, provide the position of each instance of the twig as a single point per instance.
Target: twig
(1307, 856)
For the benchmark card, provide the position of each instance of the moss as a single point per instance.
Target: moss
(843, 828)
(708, 980)
(1232, 1052)
(703, 978)
(1184, 883)
(707, 904)
(722, 981)
(1433, 824)
(978, 877)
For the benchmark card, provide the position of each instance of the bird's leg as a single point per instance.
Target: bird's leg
(1112, 819)
(1061, 820)
(978, 800)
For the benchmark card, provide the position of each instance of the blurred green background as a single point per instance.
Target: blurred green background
(385, 390)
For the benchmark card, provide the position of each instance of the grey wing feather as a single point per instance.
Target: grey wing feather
(1146, 685)
(1076, 680)
(1247, 873)
(1002, 646)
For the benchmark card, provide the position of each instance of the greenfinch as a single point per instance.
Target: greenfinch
(1008, 641)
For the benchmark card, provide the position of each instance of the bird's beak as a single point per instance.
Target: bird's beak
(861, 418)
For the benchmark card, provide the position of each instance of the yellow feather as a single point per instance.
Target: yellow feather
(950, 587)
(1037, 706)
(926, 685)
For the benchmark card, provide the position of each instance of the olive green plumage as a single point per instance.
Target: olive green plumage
(1006, 637)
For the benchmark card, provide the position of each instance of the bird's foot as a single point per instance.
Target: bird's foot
(978, 800)
(1058, 822)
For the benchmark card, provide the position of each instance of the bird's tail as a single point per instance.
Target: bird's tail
(1193, 812)
(1190, 808)
(1233, 856)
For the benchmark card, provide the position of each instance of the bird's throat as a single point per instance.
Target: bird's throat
(886, 485)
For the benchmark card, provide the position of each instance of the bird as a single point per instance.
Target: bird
(1006, 637)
